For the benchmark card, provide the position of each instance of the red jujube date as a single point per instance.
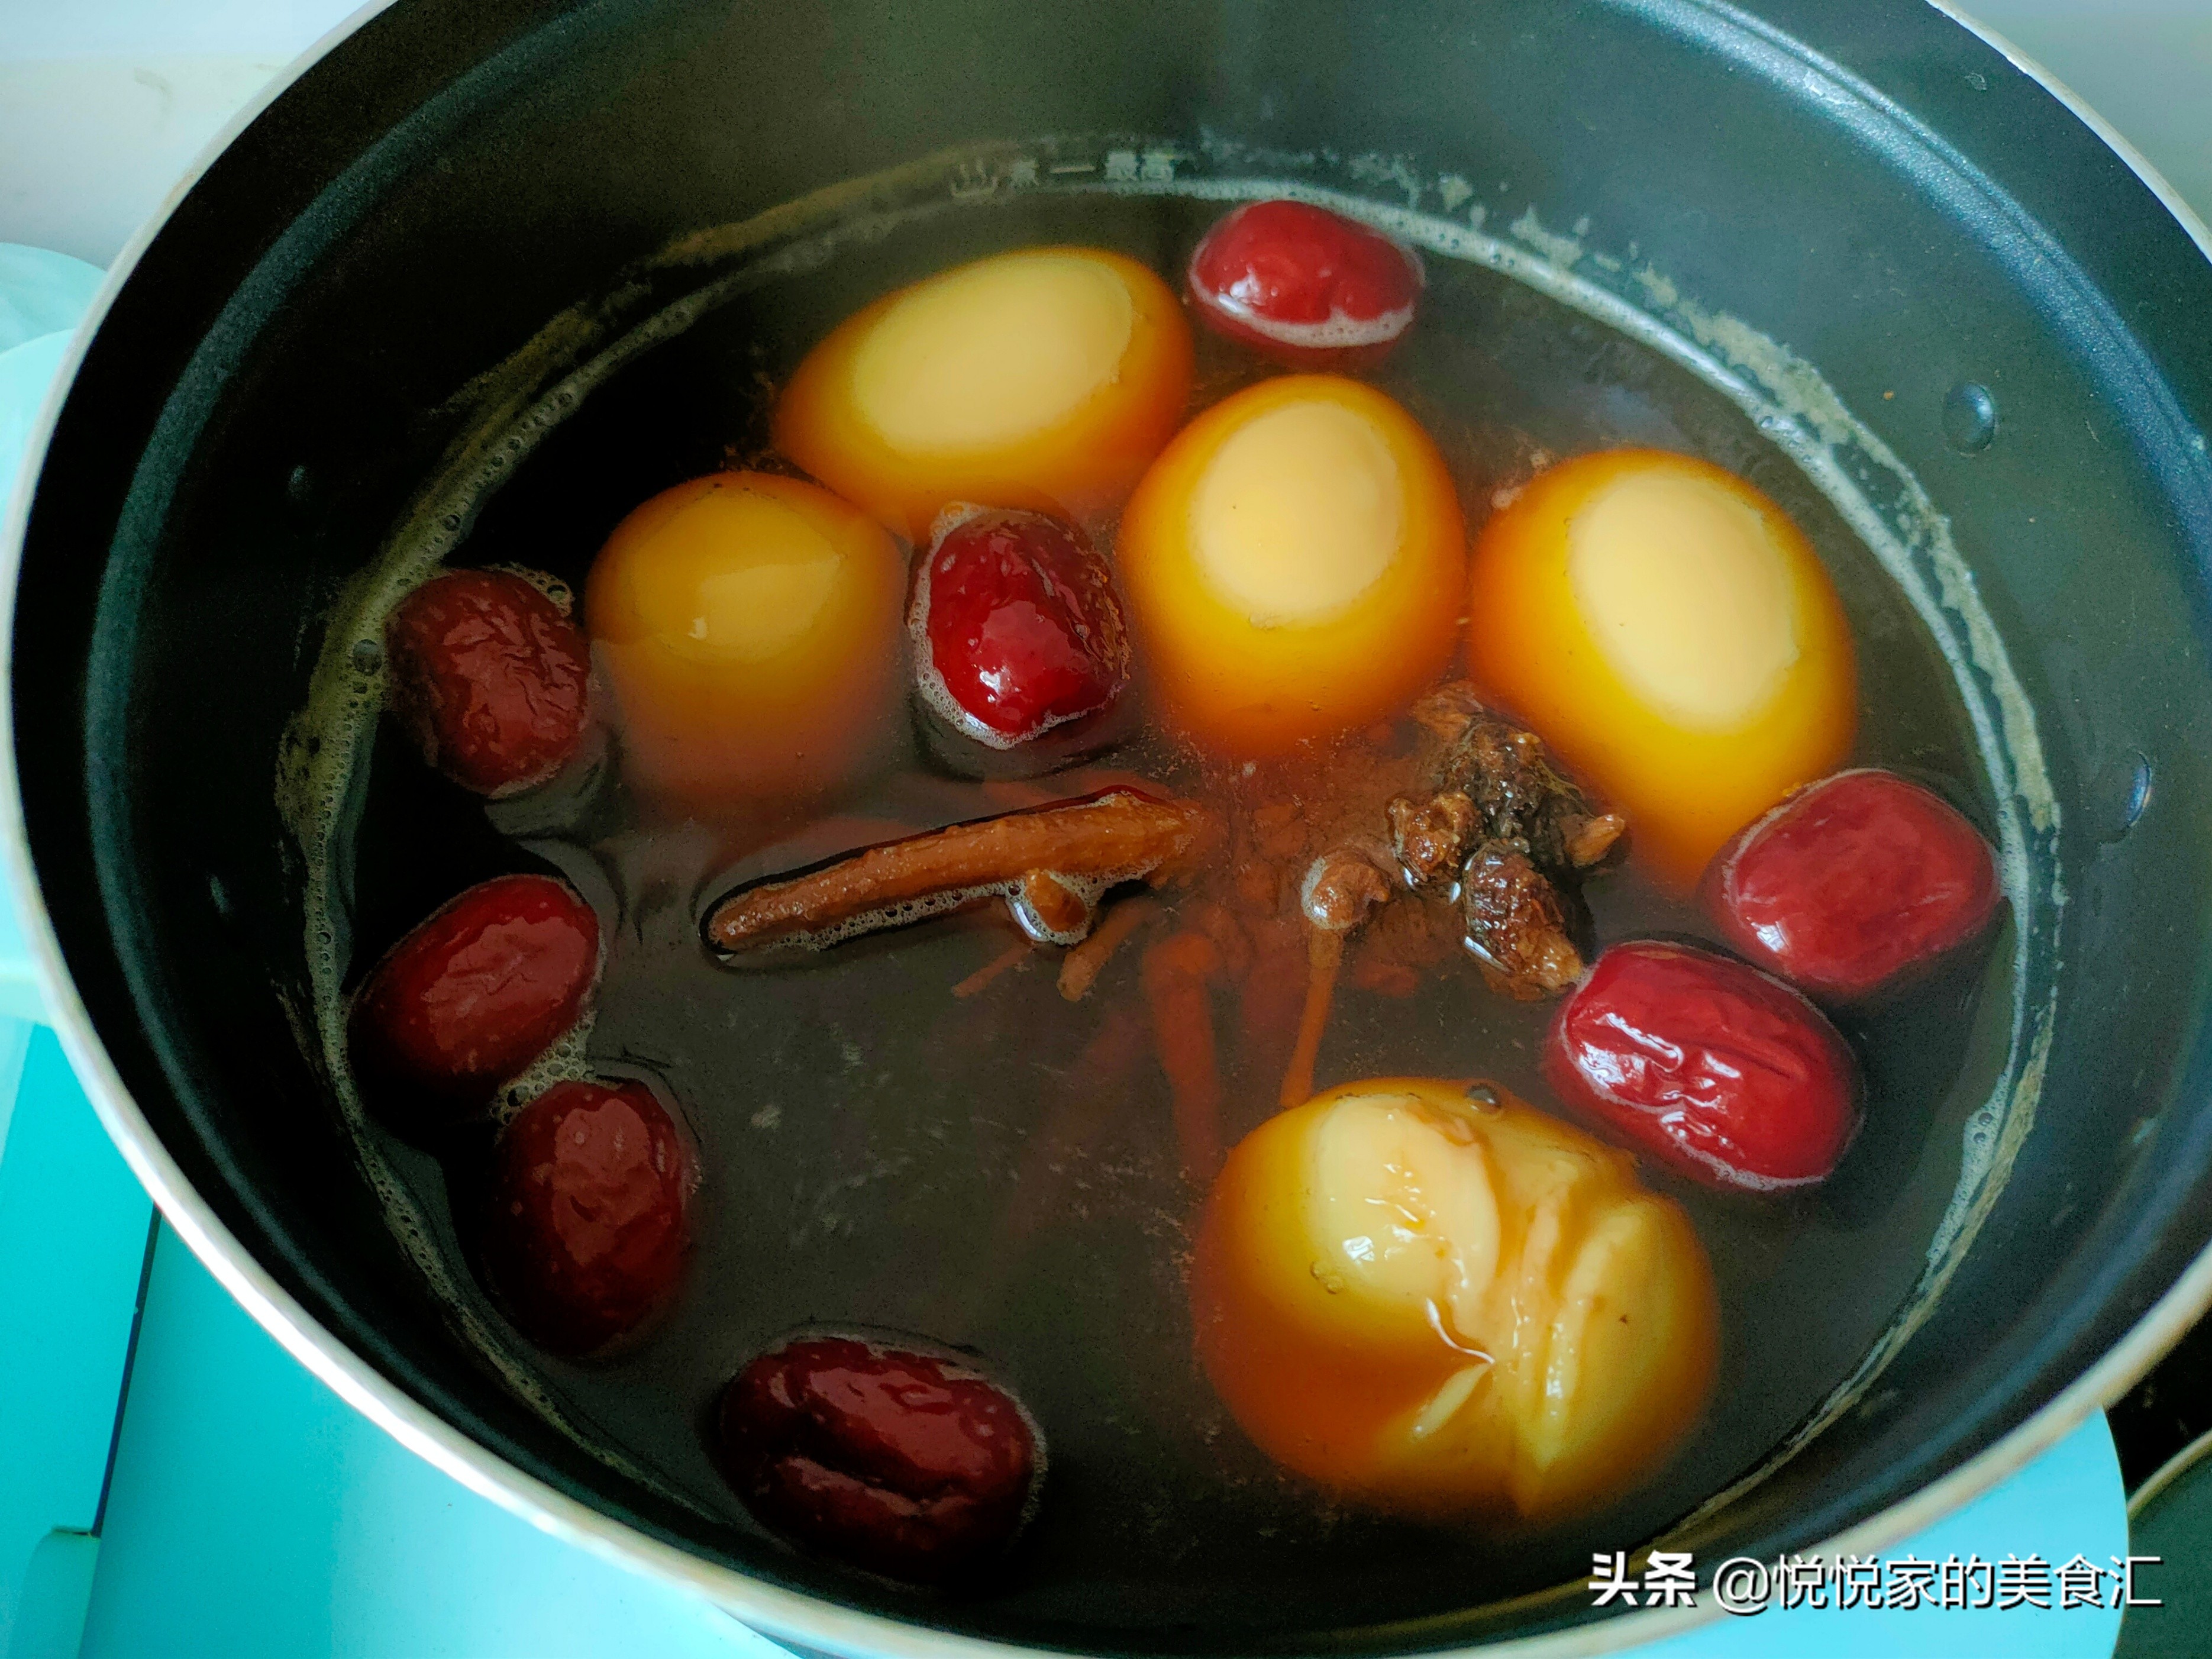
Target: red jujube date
(1710, 1065)
(491, 677)
(910, 1465)
(1309, 288)
(1853, 882)
(1016, 627)
(588, 1226)
(470, 997)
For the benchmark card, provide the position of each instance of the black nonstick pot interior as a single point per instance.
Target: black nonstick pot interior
(1869, 184)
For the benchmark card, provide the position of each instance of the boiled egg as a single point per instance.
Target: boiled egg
(1431, 1300)
(1295, 565)
(1044, 378)
(748, 627)
(1673, 635)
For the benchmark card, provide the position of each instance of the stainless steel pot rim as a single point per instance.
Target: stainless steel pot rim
(775, 1612)
(2167, 1473)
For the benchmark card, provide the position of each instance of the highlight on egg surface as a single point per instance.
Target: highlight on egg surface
(1295, 565)
(1431, 1298)
(1045, 379)
(1668, 630)
(748, 627)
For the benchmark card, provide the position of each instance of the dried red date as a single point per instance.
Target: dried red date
(588, 1226)
(1016, 627)
(910, 1465)
(491, 677)
(1712, 1066)
(470, 997)
(1306, 287)
(1853, 882)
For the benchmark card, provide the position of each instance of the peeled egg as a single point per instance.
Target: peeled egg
(1295, 565)
(748, 627)
(1673, 635)
(1044, 378)
(1431, 1298)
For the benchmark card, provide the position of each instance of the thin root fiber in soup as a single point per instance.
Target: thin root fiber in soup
(1141, 1009)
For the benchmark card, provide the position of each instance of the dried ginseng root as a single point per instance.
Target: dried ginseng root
(1050, 864)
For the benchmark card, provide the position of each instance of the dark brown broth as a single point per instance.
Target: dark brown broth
(997, 1172)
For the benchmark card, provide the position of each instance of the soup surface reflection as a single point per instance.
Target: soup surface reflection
(1156, 1037)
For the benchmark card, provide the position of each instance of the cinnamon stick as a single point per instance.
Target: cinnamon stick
(1072, 850)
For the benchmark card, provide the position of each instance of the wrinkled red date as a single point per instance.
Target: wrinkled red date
(1729, 1075)
(1306, 287)
(1852, 882)
(588, 1225)
(906, 1464)
(470, 997)
(1016, 627)
(491, 678)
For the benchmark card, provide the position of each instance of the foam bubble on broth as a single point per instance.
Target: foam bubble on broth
(1337, 332)
(566, 1061)
(510, 408)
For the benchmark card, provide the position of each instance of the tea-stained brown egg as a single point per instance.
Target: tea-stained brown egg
(1295, 564)
(1667, 630)
(749, 626)
(1045, 377)
(1431, 1298)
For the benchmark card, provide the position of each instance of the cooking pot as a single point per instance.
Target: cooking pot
(1936, 286)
